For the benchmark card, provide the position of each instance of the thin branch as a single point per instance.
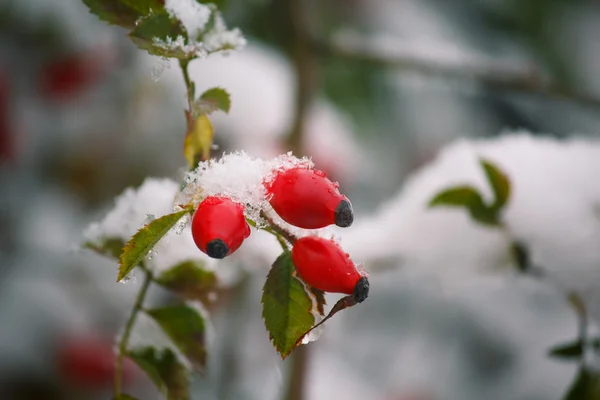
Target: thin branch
(278, 230)
(123, 342)
(525, 79)
(296, 384)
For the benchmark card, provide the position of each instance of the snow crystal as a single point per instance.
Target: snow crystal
(179, 43)
(193, 15)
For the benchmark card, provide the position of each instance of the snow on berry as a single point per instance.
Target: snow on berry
(238, 176)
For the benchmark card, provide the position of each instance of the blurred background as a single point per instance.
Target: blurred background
(372, 90)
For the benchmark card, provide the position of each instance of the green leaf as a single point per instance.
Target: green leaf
(111, 247)
(190, 280)
(198, 140)
(286, 306)
(585, 387)
(115, 12)
(169, 375)
(469, 198)
(146, 7)
(212, 100)
(186, 328)
(144, 240)
(156, 31)
(499, 183)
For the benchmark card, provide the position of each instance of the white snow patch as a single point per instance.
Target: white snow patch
(193, 15)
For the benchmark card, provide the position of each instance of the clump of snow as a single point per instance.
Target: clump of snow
(132, 208)
(193, 15)
(238, 176)
(219, 37)
(552, 210)
(203, 38)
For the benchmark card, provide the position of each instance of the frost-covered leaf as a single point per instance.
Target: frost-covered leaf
(162, 35)
(469, 198)
(212, 100)
(499, 183)
(286, 306)
(585, 387)
(115, 12)
(198, 140)
(186, 328)
(190, 280)
(169, 375)
(144, 240)
(111, 247)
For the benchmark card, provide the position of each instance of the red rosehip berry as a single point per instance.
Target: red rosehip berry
(219, 226)
(324, 265)
(307, 199)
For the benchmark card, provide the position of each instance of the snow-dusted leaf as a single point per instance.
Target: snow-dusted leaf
(162, 35)
(115, 12)
(466, 197)
(198, 140)
(169, 375)
(212, 100)
(144, 240)
(286, 306)
(186, 328)
(190, 280)
(499, 183)
(111, 247)
(585, 387)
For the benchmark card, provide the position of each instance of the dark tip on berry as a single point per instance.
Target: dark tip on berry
(361, 290)
(343, 215)
(217, 249)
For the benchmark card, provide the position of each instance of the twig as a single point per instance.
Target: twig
(123, 342)
(278, 230)
(189, 85)
(528, 79)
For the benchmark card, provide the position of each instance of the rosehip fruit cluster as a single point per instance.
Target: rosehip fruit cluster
(307, 199)
(219, 226)
(324, 265)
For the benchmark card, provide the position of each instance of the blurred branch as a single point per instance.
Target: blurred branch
(306, 66)
(296, 384)
(395, 54)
